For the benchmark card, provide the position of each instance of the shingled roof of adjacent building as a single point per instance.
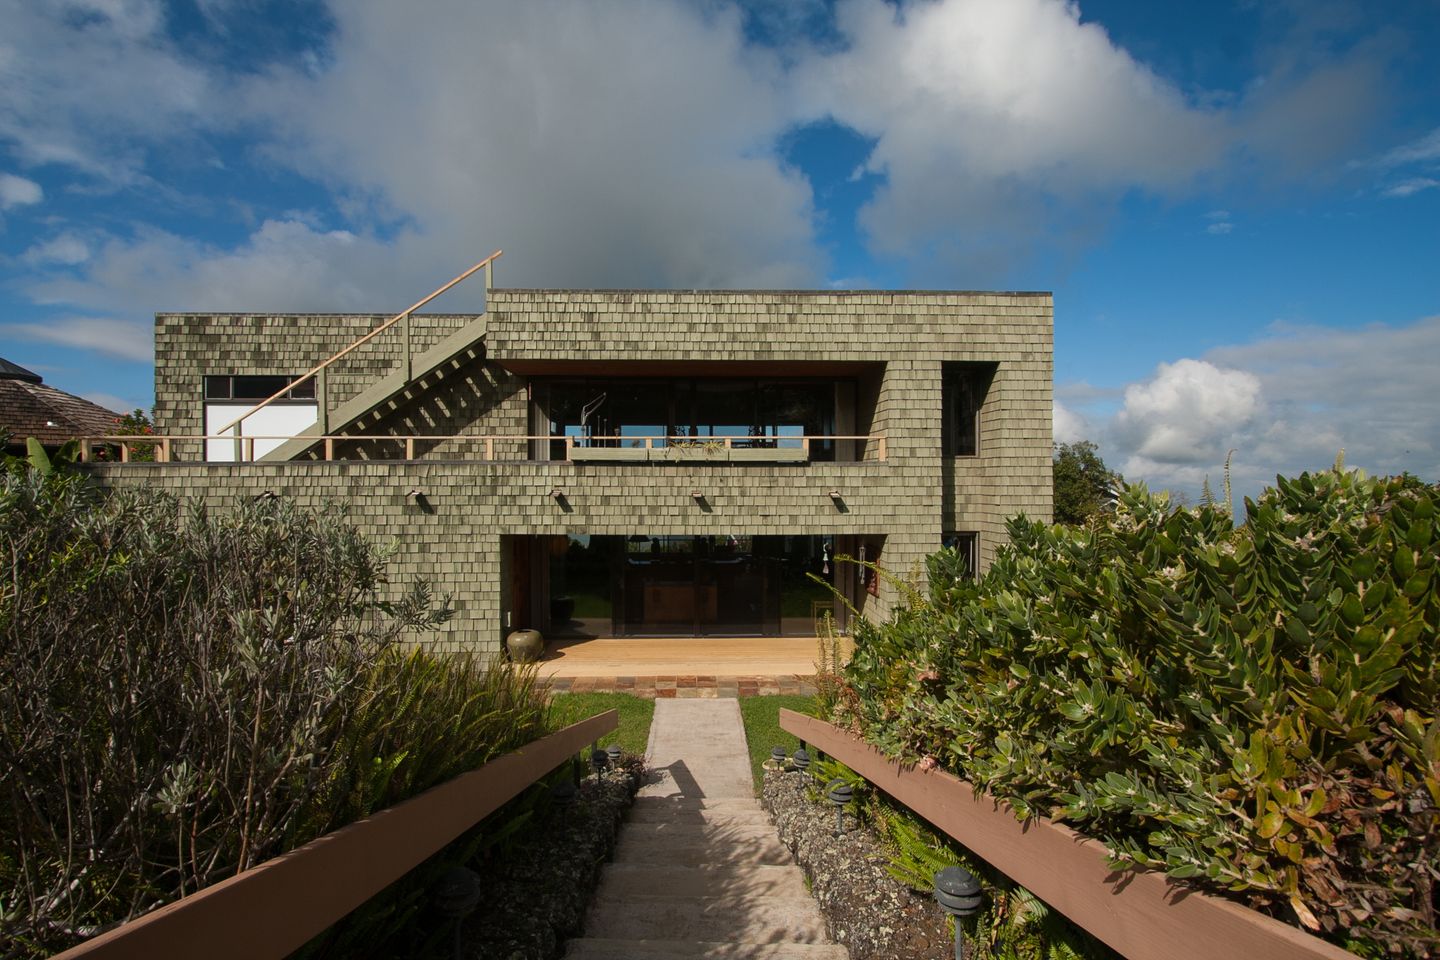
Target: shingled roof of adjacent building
(28, 408)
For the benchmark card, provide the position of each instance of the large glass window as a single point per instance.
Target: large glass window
(747, 412)
(685, 586)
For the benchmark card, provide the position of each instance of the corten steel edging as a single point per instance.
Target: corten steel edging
(1139, 913)
(275, 908)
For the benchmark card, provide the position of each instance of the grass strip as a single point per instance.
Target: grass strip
(635, 716)
(761, 716)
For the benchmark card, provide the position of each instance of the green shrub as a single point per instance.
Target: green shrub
(188, 694)
(1252, 708)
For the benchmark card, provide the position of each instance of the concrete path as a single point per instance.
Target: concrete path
(698, 872)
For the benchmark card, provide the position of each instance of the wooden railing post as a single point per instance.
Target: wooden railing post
(165, 450)
(880, 453)
(329, 448)
(322, 399)
(249, 449)
(409, 357)
(84, 449)
(409, 448)
(489, 448)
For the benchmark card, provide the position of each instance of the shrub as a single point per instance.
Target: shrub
(1251, 708)
(187, 694)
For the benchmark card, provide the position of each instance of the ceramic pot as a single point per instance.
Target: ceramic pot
(525, 645)
(562, 609)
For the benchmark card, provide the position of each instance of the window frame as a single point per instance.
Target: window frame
(210, 380)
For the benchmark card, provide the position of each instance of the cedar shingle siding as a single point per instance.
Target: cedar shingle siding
(910, 498)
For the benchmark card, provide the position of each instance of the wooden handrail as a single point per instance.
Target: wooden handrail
(1142, 914)
(365, 339)
(275, 908)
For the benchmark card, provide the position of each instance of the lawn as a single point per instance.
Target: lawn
(761, 716)
(635, 716)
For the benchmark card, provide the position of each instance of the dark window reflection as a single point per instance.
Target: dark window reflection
(689, 586)
(748, 412)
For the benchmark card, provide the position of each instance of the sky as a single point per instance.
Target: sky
(1236, 203)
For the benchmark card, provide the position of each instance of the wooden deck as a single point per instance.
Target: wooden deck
(681, 656)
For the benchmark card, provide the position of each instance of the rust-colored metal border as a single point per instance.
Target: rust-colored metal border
(277, 907)
(1141, 914)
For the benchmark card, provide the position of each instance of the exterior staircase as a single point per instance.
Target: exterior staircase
(699, 871)
(393, 389)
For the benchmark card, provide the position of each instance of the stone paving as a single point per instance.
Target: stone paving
(699, 871)
(687, 687)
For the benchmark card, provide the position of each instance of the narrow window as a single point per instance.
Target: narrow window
(968, 546)
(963, 387)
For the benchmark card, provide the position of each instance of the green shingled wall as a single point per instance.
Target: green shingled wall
(909, 499)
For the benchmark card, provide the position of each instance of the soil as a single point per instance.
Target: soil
(872, 914)
(543, 883)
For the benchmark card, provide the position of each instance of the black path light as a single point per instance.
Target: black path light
(958, 893)
(613, 753)
(598, 759)
(840, 793)
(801, 760)
(777, 754)
(564, 793)
(456, 895)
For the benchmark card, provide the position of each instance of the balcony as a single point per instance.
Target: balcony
(488, 448)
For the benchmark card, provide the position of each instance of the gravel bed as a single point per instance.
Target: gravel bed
(868, 911)
(536, 893)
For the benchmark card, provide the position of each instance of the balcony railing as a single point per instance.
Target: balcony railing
(510, 448)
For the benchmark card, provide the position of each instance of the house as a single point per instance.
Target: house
(631, 462)
(29, 408)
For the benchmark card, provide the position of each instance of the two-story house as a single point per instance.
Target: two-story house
(669, 463)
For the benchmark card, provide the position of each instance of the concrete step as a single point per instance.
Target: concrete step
(737, 831)
(598, 948)
(719, 812)
(699, 850)
(636, 880)
(715, 919)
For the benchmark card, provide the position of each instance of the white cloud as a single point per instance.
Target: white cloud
(1219, 229)
(1409, 168)
(66, 249)
(1412, 185)
(91, 85)
(284, 265)
(1186, 412)
(126, 339)
(18, 192)
(1069, 426)
(625, 143)
(1286, 403)
(1423, 150)
(989, 113)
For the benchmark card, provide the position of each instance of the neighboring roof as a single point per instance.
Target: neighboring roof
(13, 371)
(28, 408)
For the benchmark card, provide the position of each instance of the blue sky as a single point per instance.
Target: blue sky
(1236, 204)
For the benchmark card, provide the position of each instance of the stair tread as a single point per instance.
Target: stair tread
(765, 920)
(386, 388)
(607, 948)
